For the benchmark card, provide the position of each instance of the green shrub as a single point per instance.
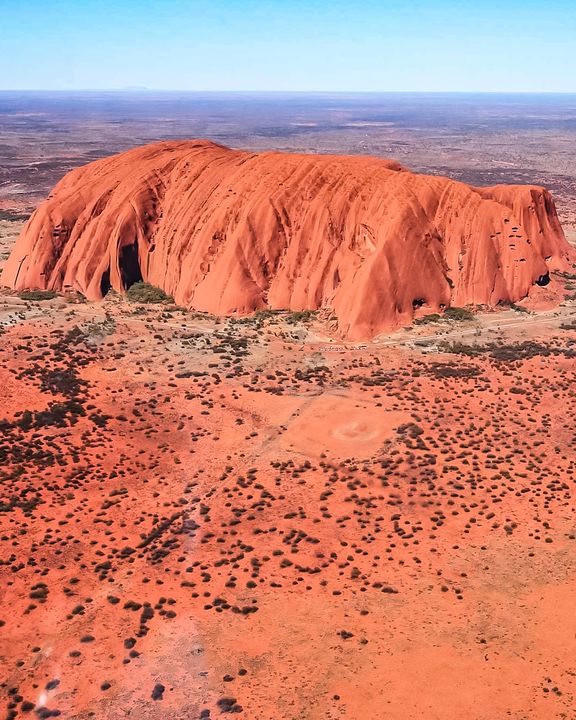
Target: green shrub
(38, 295)
(143, 292)
(458, 313)
(300, 316)
(459, 348)
(267, 313)
(425, 319)
(451, 313)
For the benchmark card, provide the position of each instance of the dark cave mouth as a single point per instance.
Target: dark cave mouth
(129, 267)
(129, 264)
(105, 283)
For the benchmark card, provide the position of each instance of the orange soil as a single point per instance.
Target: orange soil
(315, 535)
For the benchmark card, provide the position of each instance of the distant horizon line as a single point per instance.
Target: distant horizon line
(145, 90)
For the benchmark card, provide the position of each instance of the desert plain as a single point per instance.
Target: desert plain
(205, 516)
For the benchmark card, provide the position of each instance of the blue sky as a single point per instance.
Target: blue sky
(409, 45)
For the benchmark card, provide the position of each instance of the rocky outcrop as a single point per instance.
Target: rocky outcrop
(228, 231)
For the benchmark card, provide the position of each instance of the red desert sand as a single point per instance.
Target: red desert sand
(201, 516)
(226, 231)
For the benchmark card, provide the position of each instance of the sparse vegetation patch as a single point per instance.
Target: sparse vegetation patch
(143, 292)
(38, 295)
(456, 314)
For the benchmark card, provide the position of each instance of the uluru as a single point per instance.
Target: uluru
(228, 231)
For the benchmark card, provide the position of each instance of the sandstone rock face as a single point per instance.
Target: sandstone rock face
(228, 231)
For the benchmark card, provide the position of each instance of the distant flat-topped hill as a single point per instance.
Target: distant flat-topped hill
(227, 231)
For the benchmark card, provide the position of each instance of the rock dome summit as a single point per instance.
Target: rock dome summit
(229, 231)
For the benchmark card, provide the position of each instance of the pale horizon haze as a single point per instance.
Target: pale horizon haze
(271, 45)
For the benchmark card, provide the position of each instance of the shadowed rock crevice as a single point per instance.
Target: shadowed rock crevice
(130, 265)
(105, 283)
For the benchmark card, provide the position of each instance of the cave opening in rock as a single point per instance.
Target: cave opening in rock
(129, 265)
(105, 282)
(543, 280)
